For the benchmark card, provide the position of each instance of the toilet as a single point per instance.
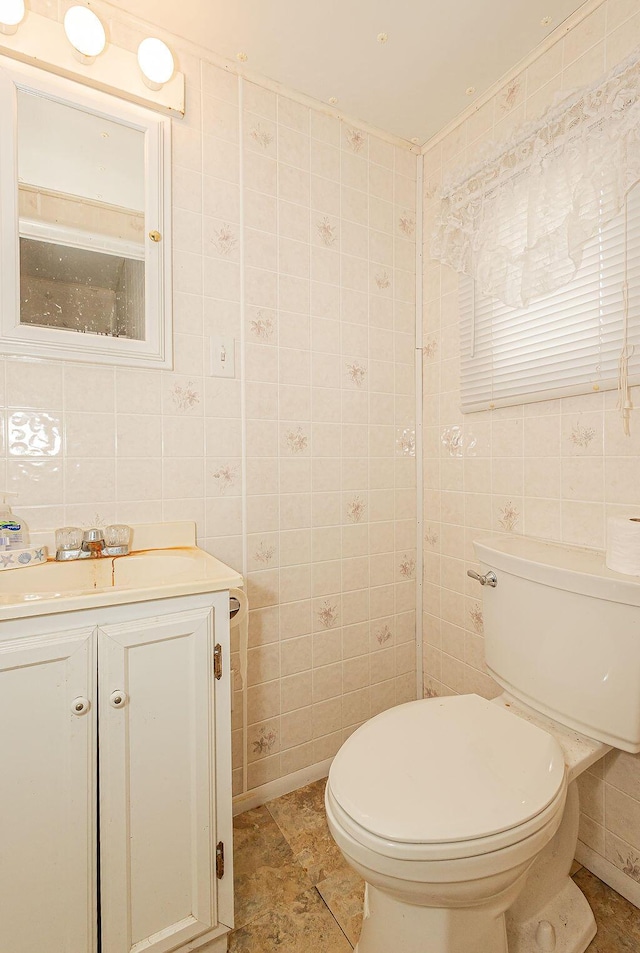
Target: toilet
(461, 814)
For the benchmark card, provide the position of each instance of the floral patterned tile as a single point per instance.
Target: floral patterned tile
(305, 924)
(343, 893)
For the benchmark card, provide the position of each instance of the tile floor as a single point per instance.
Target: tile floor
(295, 894)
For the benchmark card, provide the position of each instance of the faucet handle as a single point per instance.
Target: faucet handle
(118, 534)
(68, 538)
(118, 539)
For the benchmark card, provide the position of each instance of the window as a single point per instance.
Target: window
(565, 343)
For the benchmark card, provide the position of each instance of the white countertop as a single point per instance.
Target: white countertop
(169, 565)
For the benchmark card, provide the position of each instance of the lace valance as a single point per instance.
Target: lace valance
(518, 222)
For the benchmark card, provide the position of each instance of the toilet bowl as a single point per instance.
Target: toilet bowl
(444, 823)
(461, 814)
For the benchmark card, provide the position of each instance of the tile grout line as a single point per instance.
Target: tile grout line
(314, 886)
(333, 916)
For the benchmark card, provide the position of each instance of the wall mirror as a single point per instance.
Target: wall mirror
(85, 223)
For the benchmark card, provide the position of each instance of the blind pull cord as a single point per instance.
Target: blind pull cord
(625, 405)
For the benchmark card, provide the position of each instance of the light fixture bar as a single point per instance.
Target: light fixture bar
(42, 42)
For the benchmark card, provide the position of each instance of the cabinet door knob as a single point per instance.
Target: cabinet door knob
(80, 705)
(118, 699)
(155, 236)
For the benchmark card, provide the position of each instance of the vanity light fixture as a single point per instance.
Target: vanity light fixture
(77, 48)
(85, 32)
(155, 60)
(11, 15)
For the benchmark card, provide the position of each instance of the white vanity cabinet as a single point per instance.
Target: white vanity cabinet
(115, 790)
(47, 790)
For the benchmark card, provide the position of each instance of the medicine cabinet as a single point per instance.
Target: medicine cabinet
(85, 257)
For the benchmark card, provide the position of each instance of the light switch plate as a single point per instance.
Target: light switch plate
(222, 357)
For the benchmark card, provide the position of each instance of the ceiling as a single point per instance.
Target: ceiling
(410, 85)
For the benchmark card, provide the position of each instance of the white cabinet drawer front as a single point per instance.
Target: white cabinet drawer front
(156, 781)
(48, 793)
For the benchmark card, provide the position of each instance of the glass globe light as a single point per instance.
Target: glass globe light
(156, 62)
(11, 15)
(85, 32)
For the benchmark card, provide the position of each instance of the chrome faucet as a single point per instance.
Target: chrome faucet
(73, 543)
(93, 543)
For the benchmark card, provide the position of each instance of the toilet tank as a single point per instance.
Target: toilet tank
(562, 634)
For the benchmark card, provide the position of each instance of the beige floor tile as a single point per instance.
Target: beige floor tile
(343, 893)
(301, 818)
(282, 849)
(304, 926)
(301, 809)
(618, 920)
(266, 875)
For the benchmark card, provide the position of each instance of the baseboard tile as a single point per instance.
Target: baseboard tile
(608, 873)
(267, 792)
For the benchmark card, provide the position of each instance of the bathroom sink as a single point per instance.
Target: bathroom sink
(140, 576)
(52, 577)
(161, 567)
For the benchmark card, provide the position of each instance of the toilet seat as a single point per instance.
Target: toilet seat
(446, 778)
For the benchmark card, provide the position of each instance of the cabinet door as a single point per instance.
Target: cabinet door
(48, 793)
(157, 829)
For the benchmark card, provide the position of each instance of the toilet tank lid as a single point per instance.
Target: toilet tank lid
(572, 568)
(442, 770)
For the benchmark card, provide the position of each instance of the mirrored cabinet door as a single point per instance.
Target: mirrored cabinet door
(85, 242)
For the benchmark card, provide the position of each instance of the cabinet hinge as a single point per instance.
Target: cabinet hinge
(220, 860)
(217, 661)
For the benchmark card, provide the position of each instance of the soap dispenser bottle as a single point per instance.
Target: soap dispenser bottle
(14, 532)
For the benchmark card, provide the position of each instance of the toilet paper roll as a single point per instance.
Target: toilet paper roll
(623, 544)
(241, 614)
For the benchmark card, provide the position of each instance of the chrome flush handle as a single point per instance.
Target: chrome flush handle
(489, 578)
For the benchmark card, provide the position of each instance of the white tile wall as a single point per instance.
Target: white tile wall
(555, 469)
(294, 233)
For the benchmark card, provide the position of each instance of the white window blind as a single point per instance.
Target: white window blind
(565, 343)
